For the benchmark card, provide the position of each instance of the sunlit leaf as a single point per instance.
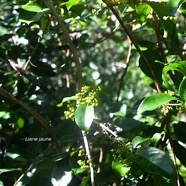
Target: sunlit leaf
(9, 170)
(154, 101)
(155, 161)
(4, 115)
(20, 122)
(66, 99)
(143, 10)
(84, 116)
(71, 3)
(119, 168)
(32, 6)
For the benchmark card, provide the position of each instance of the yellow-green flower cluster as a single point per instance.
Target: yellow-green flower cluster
(69, 114)
(82, 164)
(87, 96)
(81, 153)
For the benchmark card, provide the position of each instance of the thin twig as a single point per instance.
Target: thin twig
(136, 46)
(116, 2)
(100, 160)
(167, 125)
(158, 36)
(108, 130)
(125, 70)
(32, 165)
(69, 40)
(89, 157)
(32, 79)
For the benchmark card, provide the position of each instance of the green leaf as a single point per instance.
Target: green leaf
(84, 116)
(31, 6)
(155, 161)
(45, 24)
(178, 66)
(173, 5)
(9, 170)
(20, 122)
(152, 57)
(130, 124)
(42, 69)
(29, 17)
(119, 168)
(155, 138)
(143, 10)
(66, 99)
(154, 101)
(165, 16)
(71, 3)
(182, 89)
(139, 140)
(4, 115)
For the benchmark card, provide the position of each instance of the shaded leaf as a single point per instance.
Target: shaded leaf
(173, 5)
(161, 181)
(154, 101)
(42, 69)
(84, 116)
(45, 23)
(180, 152)
(178, 66)
(180, 131)
(164, 14)
(129, 124)
(155, 161)
(152, 57)
(182, 89)
(29, 17)
(155, 138)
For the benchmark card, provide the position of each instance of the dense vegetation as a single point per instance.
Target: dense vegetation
(92, 93)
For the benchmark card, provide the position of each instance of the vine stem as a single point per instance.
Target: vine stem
(37, 116)
(69, 40)
(118, 17)
(89, 157)
(167, 125)
(158, 36)
(125, 70)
